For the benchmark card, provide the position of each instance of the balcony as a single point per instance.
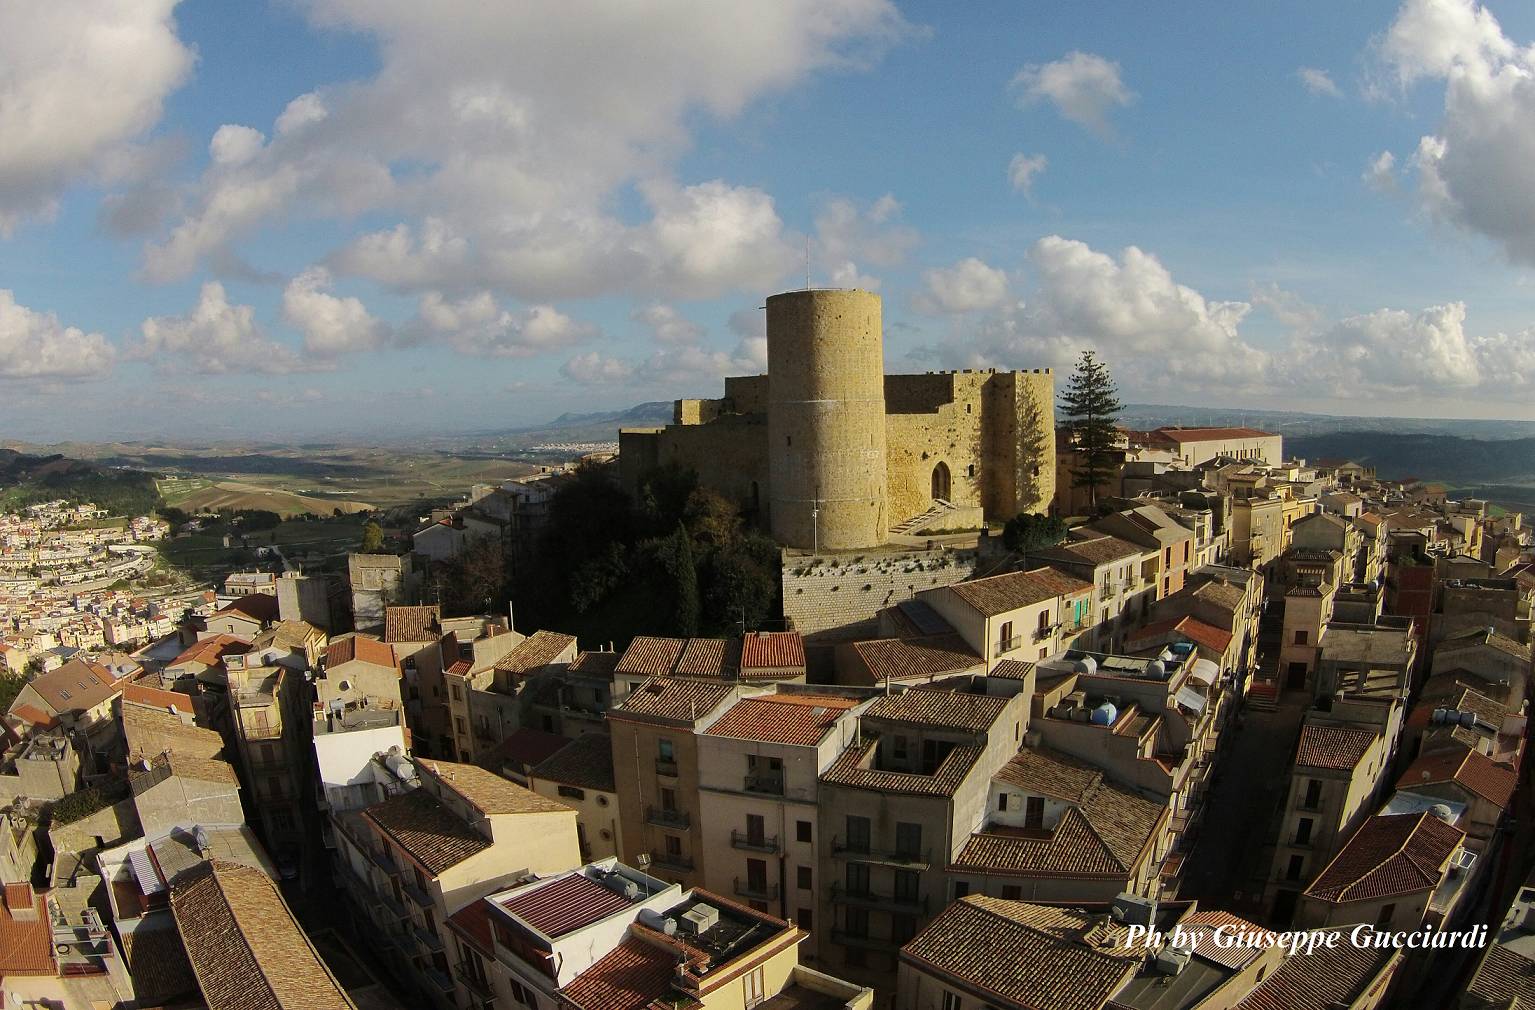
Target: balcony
(666, 818)
(1006, 645)
(391, 909)
(477, 984)
(666, 767)
(913, 903)
(439, 980)
(429, 941)
(761, 891)
(767, 783)
(1047, 631)
(670, 861)
(417, 895)
(863, 941)
(895, 857)
(753, 843)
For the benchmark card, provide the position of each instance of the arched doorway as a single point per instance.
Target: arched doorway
(941, 482)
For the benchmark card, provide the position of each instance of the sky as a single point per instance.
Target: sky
(301, 219)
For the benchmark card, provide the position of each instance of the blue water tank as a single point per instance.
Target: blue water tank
(1104, 715)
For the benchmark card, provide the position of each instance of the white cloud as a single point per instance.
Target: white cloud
(593, 369)
(1474, 172)
(1083, 87)
(1380, 173)
(1152, 330)
(1390, 351)
(1023, 169)
(501, 138)
(216, 337)
(234, 145)
(968, 286)
(331, 325)
(79, 81)
(666, 324)
(479, 325)
(1318, 82)
(35, 345)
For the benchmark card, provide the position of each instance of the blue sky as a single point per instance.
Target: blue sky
(350, 216)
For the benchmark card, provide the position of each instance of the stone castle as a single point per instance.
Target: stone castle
(829, 453)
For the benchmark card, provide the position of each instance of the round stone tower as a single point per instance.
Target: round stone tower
(826, 419)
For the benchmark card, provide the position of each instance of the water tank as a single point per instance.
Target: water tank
(1439, 717)
(1468, 719)
(1443, 812)
(658, 922)
(1104, 715)
(1156, 668)
(1086, 664)
(826, 420)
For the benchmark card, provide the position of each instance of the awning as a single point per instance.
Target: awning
(1205, 672)
(1191, 700)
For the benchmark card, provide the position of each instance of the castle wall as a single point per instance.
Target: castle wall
(839, 597)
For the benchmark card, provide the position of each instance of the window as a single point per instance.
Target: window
(1300, 637)
(1293, 871)
(857, 878)
(756, 830)
(898, 747)
(1383, 920)
(857, 833)
(802, 878)
(1012, 892)
(906, 884)
(1313, 798)
(673, 846)
(521, 994)
(950, 1000)
(1303, 831)
(902, 928)
(802, 831)
(858, 922)
(664, 750)
(1034, 812)
(668, 799)
(960, 889)
(458, 694)
(462, 728)
(908, 839)
(571, 792)
(756, 876)
(1002, 801)
(803, 920)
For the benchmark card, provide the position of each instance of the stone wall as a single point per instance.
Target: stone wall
(832, 597)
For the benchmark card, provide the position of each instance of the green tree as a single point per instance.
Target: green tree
(677, 557)
(712, 521)
(741, 585)
(1027, 532)
(372, 537)
(474, 580)
(1091, 408)
(664, 494)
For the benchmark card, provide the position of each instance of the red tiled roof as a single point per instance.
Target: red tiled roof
(1340, 748)
(1469, 768)
(256, 607)
(628, 977)
(671, 700)
(411, 624)
(473, 923)
(154, 697)
(772, 650)
(563, 905)
(1195, 630)
(651, 657)
(528, 746)
(943, 709)
(363, 650)
(789, 718)
(1326, 979)
(26, 946)
(999, 594)
(911, 658)
(34, 716)
(850, 770)
(702, 657)
(536, 651)
(211, 651)
(1391, 854)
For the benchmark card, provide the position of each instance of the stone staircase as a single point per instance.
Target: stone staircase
(918, 523)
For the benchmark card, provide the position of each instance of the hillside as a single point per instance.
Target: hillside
(27, 480)
(1448, 458)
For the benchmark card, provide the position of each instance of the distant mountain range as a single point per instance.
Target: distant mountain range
(27, 479)
(1144, 416)
(1448, 458)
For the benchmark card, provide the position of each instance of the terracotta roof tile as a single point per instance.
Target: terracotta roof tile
(671, 700)
(473, 922)
(158, 963)
(1503, 976)
(490, 793)
(1339, 748)
(26, 945)
(703, 657)
(790, 718)
(1179, 436)
(211, 651)
(246, 949)
(1326, 979)
(77, 686)
(600, 664)
(257, 607)
(363, 650)
(429, 832)
(526, 747)
(586, 762)
(999, 594)
(647, 656)
(1469, 768)
(1390, 854)
(1195, 630)
(1012, 669)
(536, 651)
(1029, 955)
(564, 904)
(149, 731)
(852, 769)
(411, 624)
(914, 658)
(628, 977)
(941, 709)
(156, 698)
(1095, 550)
(771, 650)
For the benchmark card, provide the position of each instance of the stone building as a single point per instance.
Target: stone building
(828, 452)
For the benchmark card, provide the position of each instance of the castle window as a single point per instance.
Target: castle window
(970, 470)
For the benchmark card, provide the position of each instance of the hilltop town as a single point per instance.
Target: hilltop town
(844, 689)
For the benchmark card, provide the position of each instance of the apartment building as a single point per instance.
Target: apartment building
(1397, 872)
(1465, 778)
(577, 701)
(462, 833)
(1124, 580)
(1497, 664)
(269, 723)
(580, 775)
(895, 808)
(656, 769)
(1017, 615)
(607, 936)
(1149, 527)
(760, 764)
(483, 676)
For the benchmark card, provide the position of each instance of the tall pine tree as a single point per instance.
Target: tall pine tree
(1091, 408)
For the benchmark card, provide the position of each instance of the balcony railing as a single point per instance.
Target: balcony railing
(417, 894)
(666, 767)
(761, 891)
(871, 854)
(1046, 631)
(1006, 645)
(670, 861)
(668, 818)
(866, 898)
(753, 843)
(475, 983)
(428, 940)
(770, 783)
(441, 980)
